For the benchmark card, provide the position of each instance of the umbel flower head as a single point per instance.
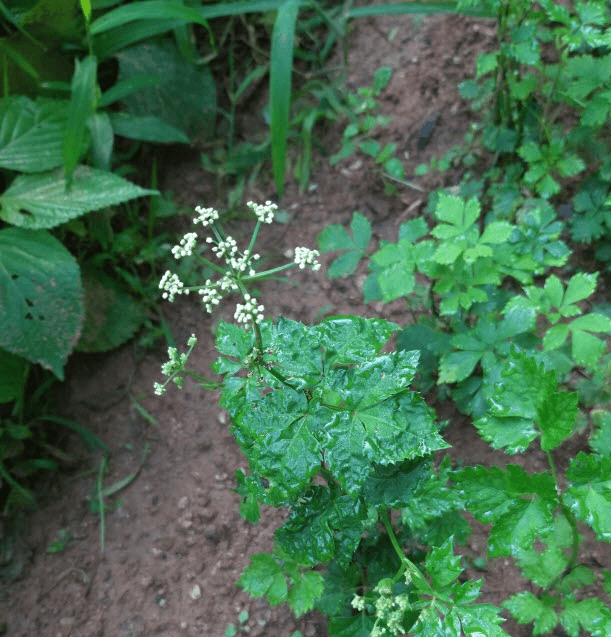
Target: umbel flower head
(238, 268)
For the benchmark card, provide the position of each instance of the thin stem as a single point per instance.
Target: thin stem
(262, 275)
(254, 237)
(211, 265)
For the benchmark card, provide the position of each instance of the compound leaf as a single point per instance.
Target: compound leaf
(526, 608)
(337, 238)
(304, 591)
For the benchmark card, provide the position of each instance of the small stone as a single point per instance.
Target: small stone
(195, 592)
(183, 503)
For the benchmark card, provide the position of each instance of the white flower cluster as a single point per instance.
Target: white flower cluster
(224, 249)
(305, 256)
(186, 245)
(249, 312)
(207, 216)
(172, 286)
(175, 364)
(264, 212)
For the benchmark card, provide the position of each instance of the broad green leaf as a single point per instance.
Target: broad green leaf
(521, 407)
(263, 576)
(320, 528)
(527, 608)
(297, 349)
(41, 298)
(336, 238)
(112, 316)
(396, 485)
(31, 134)
(281, 69)
(589, 492)
(519, 505)
(555, 337)
(186, 101)
(586, 349)
(83, 103)
(130, 85)
(305, 591)
(555, 292)
(352, 339)
(359, 625)
(413, 230)
(592, 323)
(592, 615)
(12, 375)
(457, 366)
(41, 201)
(280, 439)
(580, 286)
(497, 232)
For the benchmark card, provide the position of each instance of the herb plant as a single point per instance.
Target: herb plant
(333, 431)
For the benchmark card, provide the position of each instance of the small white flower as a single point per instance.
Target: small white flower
(207, 216)
(358, 602)
(159, 389)
(226, 248)
(210, 296)
(265, 213)
(172, 286)
(186, 245)
(249, 312)
(305, 256)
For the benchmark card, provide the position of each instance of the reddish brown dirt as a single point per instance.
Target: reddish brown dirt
(175, 544)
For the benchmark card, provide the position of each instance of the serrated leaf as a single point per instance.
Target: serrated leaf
(522, 403)
(350, 339)
(42, 201)
(442, 565)
(497, 232)
(359, 625)
(305, 591)
(586, 349)
(41, 298)
(263, 576)
(413, 230)
(591, 614)
(580, 287)
(31, 134)
(297, 349)
(506, 499)
(526, 608)
(320, 528)
(589, 492)
(396, 485)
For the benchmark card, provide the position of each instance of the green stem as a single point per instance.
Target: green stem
(210, 265)
(101, 503)
(262, 275)
(571, 519)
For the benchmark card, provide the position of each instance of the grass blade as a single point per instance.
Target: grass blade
(281, 67)
(82, 105)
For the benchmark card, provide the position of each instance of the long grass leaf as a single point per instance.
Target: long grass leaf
(18, 59)
(399, 8)
(147, 10)
(82, 105)
(109, 42)
(130, 85)
(281, 67)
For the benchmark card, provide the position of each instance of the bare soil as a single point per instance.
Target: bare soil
(175, 543)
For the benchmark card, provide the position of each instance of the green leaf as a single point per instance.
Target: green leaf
(281, 68)
(519, 505)
(555, 337)
(12, 376)
(186, 101)
(586, 349)
(442, 565)
(497, 232)
(31, 134)
(41, 298)
(304, 591)
(592, 614)
(146, 129)
(589, 492)
(580, 286)
(523, 403)
(601, 440)
(41, 201)
(320, 528)
(457, 366)
(263, 576)
(396, 485)
(112, 316)
(336, 238)
(83, 103)
(526, 608)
